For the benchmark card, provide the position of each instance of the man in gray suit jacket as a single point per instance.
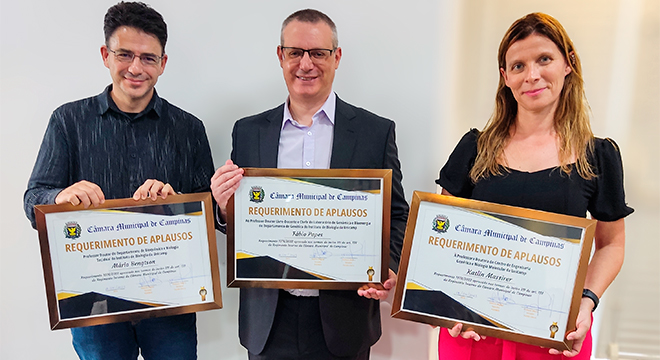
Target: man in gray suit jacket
(313, 129)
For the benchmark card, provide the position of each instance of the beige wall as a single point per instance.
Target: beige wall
(619, 45)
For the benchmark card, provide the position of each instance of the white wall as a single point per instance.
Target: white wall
(428, 65)
(222, 66)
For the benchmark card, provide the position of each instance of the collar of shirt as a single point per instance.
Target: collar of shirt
(106, 103)
(328, 109)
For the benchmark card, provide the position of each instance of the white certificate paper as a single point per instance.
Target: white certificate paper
(125, 260)
(494, 270)
(309, 230)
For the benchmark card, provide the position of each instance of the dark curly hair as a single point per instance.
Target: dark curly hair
(137, 15)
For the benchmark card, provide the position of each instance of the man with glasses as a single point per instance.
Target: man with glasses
(125, 142)
(313, 129)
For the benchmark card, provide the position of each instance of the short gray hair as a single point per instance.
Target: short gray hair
(311, 16)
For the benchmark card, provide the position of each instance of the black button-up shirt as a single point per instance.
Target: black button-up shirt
(91, 139)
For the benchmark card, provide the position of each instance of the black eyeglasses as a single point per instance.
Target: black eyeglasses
(145, 59)
(295, 53)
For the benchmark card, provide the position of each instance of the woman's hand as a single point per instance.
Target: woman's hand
(582, 326)
(468, 334)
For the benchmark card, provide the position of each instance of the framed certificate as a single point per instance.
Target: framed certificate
(503, 271)
(309, 229)
(128, 260)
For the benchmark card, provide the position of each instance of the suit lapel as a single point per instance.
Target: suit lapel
(269, 138)
(344, 137)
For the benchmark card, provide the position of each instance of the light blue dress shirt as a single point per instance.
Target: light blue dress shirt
(307, 147)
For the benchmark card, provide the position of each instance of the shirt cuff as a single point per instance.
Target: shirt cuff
(220, 225)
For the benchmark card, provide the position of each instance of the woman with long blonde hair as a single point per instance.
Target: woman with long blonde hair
(537, 151)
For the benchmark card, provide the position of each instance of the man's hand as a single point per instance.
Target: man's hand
(224, 183)
(152, 189)
(84, 192)
(370, 291)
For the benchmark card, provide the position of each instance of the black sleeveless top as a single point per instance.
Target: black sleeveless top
(546, 190)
